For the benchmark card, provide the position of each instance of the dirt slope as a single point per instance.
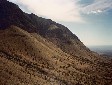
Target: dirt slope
(38, 51)
(29, 59)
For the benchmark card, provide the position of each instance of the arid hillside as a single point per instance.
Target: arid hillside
(38, 51)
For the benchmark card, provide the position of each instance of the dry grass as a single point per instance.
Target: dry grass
(29, 59)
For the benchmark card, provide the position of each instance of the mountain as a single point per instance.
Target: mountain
(39, 51)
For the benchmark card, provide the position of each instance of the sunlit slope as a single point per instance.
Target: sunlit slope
(39, 51)
(27, 58)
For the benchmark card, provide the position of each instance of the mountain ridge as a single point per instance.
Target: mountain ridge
(33, 23)
(45, 52)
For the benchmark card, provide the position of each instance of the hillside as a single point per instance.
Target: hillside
(38, 51)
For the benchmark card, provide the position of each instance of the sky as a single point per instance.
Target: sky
(90, 20)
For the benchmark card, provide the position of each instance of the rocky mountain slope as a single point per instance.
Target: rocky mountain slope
(38, 51)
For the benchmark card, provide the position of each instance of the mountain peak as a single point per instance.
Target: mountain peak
(8, 12)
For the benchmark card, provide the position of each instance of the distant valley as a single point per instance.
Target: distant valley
(103, 49)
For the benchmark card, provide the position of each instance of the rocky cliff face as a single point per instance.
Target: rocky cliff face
(38, 51)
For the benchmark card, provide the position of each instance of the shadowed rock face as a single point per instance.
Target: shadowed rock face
(11, 15)
(38, 51)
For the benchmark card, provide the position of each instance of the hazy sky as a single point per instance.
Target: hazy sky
(90, 20)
